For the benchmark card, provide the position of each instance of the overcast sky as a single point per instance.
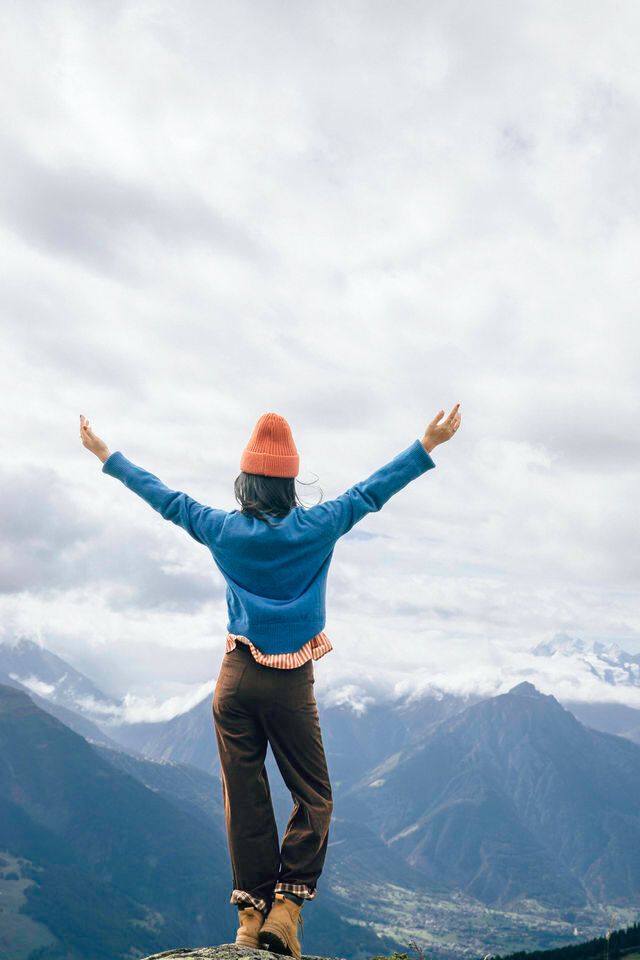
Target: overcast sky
(351, 214)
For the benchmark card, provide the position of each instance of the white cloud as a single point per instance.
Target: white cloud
(351, 695)
(353, 215)
(34, 684)
(136, 709)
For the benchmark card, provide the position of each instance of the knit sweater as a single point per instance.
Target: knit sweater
(276, 576)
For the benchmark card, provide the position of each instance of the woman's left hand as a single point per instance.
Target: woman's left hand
(91, 442)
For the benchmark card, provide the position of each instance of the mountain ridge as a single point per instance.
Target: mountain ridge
(509, 782)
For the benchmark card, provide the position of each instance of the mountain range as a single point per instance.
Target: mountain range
(512, 799)
(474, 826)
(612, 667)
(105, 856)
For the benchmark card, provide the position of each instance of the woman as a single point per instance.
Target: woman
(274, 556)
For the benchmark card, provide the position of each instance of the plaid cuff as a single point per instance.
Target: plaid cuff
(242, 898)
(300, 889)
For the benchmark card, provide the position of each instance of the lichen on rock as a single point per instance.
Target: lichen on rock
(226, 951)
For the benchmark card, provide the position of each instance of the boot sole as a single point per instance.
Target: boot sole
(276, 940)
(243, 940)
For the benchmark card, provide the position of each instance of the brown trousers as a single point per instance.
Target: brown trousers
(254, 705)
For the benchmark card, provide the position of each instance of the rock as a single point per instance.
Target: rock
(226, 951)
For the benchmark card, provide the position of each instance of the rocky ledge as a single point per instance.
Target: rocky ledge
(226, 951)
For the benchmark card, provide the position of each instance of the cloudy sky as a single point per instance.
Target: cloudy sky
(354, 215)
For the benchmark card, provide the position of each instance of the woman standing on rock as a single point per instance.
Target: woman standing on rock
(274, 555)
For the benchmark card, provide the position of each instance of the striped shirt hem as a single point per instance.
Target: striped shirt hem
(313, 649)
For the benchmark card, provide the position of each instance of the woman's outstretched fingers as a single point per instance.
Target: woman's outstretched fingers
(456, 418)
(91, 441)
(86, 433)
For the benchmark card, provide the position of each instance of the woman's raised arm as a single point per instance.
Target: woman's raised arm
(200, 522)
(338, 516)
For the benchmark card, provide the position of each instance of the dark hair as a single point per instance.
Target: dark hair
(274, 496)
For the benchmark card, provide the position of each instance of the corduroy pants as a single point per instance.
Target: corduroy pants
(255, 705)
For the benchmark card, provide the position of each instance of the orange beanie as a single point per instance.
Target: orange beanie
(271, 451)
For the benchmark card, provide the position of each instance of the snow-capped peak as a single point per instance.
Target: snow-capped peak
(608, 662)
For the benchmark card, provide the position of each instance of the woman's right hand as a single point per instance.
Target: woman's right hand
(92, 442)
(440, 432)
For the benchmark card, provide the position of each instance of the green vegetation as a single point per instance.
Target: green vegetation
(454, 926)
(615, 945)
(19, 933)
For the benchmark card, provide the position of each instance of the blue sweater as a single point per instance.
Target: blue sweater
(276, 576)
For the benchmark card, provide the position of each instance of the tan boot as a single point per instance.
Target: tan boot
(251, 920)
(280, 929)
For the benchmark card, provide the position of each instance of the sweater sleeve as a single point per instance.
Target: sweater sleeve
(368, 496)
(201, 522)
